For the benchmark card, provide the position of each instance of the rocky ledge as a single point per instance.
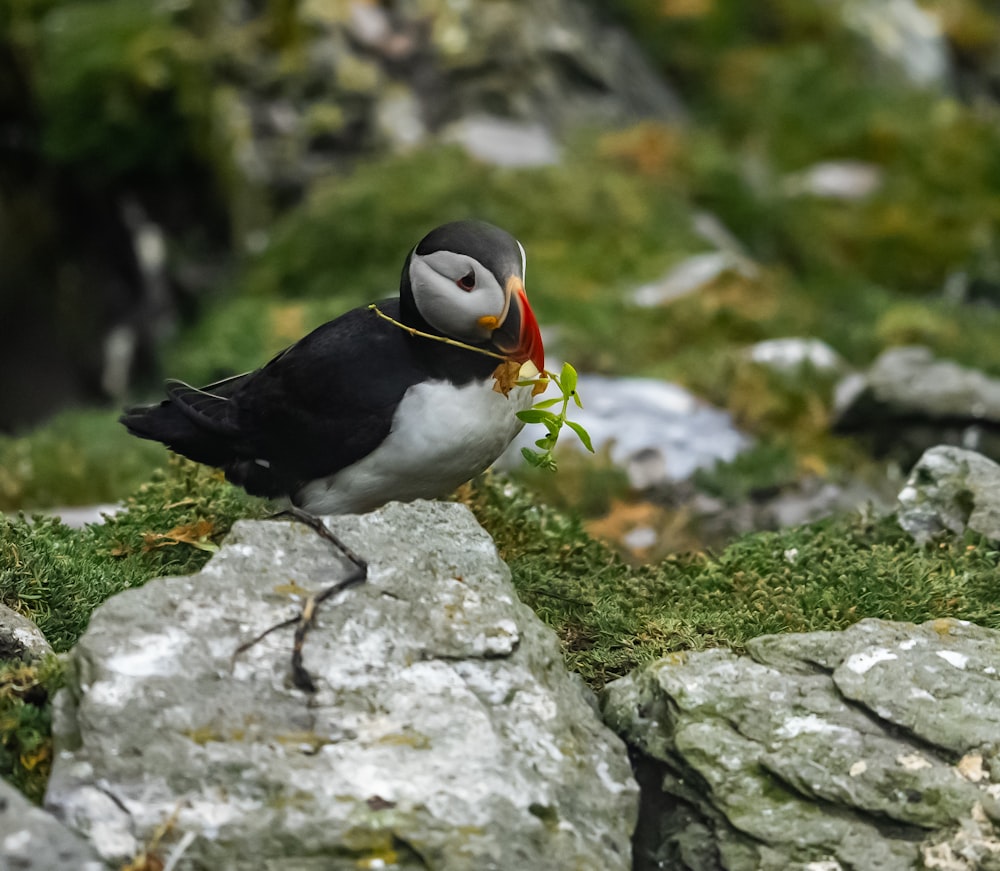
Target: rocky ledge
(875, 747)
(446, 732)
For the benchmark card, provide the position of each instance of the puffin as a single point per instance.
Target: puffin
(360, 411)
(363, 411)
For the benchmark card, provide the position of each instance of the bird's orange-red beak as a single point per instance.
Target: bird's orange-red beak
(518, 336)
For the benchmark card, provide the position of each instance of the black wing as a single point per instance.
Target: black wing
(328, 400)
(320, 405)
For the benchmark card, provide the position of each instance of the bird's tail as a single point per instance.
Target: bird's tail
(199, 423)
(168, 424)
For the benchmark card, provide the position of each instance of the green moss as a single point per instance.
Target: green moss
(26, 723)
(762, 468)
(611, 617)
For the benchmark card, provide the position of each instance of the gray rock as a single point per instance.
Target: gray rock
(398, 118)
(835, 180)
(79, 516)
(951, 490)
(911, 381)
(503, 142)
(445, 732)
(909, 401)
(20, 638)
(876, 747)
(690, 275)
(33, 840)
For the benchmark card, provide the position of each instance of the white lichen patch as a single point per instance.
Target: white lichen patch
(155, 656)
(16, 842)
(953, 657)
(913, 761)
(808, 725)
(910, 643)
(860, 663)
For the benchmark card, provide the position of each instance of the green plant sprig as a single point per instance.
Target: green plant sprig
(553, 422)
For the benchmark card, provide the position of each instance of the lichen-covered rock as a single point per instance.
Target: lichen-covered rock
(445, 732)
(951, 490)
(356, 78)
(33, 840)
(876, 747)
(20, 638)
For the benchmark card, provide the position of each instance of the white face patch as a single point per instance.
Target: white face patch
(438, 283)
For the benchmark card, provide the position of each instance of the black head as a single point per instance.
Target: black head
(465, 280)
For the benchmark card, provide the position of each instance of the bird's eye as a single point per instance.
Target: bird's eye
(467, 281)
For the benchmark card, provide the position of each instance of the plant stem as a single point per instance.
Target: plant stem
(413, 331)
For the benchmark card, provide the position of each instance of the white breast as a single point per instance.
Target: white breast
(441, 436)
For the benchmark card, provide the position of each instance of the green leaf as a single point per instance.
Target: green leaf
(536, 415)
(567, 379)
(533, 457)
(582, 433)
(546, 443)
(547, 403)
(205, 544)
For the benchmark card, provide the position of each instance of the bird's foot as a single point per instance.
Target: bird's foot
(305, 619)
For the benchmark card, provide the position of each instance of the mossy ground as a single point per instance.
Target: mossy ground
(26, 723)
(78, 458)
(609, 616)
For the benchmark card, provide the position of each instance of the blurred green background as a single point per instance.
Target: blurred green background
(188, 186)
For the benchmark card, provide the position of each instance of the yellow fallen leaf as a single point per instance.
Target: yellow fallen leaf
(197, 534)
